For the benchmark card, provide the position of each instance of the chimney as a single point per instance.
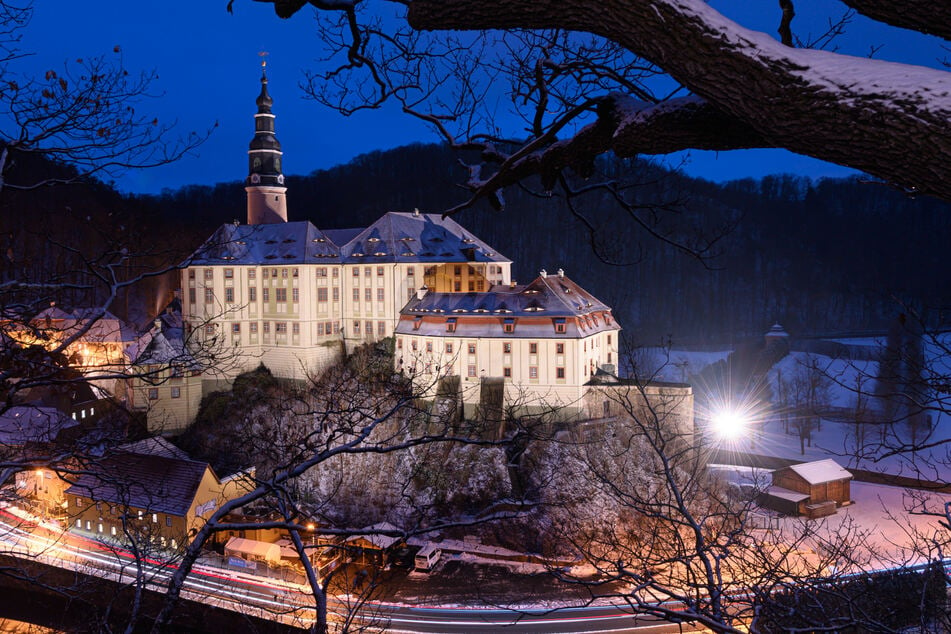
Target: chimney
(543, 273)
(416, 212)
(561, 273)
(421, 293)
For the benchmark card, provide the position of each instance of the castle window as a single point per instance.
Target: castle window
(236, 328)
(559, 348)
(507, 372)
(280, 294)
(295, 272)
(367, 271)
(295, 295)
(153, 393)
(559, 373)
(252, 294)
(322, 271)
(229, 295)
(508, 324)
(191, 274)
(413, 345)
(457, 286)
(379, 295)
(472, 348)
(191, 295)
(252, 274)
(533, 348)
(368, 294)
(381, 328)
(336, 294)
(321, 294)
(429, 346)
(457, 270)
(379, 271)
(209, 274)
(451, 324)
(448, 348)
(560, 327)
(266, 294)
(471, 370)
(253, 327)
(609, 339)
(280, 328)
(399, 343)
(356, 294)
(229, 274)
(267, 327)
(295, 328)
(284, 273)
(336, 273)
(176, 392)
(533, 372)
(264, 273)
(356, 271)
(356, 327)
(209, 295)
(410, 271)
(417, 322)
(507, 347)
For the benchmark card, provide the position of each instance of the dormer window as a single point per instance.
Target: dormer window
(451, 324)
(560, 325)
(508, 325)
(417, 322)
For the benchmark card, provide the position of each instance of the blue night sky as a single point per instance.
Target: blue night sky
(208, 67)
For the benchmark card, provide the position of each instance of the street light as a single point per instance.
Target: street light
(729, 424)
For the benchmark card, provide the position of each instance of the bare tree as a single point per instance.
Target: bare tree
(588, 62)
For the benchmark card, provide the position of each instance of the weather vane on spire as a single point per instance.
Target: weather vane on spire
(263, 55)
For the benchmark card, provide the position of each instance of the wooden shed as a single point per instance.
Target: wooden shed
(813, 489)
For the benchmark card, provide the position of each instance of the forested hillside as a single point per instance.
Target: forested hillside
(819, 257)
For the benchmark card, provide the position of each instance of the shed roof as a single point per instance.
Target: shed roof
(820, 471)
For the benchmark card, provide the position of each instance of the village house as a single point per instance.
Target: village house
(158, 497)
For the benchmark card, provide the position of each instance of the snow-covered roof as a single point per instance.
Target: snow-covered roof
(786, 494)
(820, 471)
(23, 424)
(482, 314)
(253, 548)
(155, 446)
(380, 541)
(395, 237)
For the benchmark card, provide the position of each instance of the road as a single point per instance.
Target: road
(26, 536)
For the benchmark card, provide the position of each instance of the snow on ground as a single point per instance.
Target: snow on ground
(838, 436)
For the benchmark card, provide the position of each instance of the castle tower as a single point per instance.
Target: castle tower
(265, 184)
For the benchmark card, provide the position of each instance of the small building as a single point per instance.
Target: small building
(812, 489)
(253, 550)
(373, 546)
(165, 380)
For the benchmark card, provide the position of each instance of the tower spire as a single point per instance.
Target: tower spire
(265, 184)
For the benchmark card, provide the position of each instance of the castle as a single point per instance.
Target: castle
(296, 298)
